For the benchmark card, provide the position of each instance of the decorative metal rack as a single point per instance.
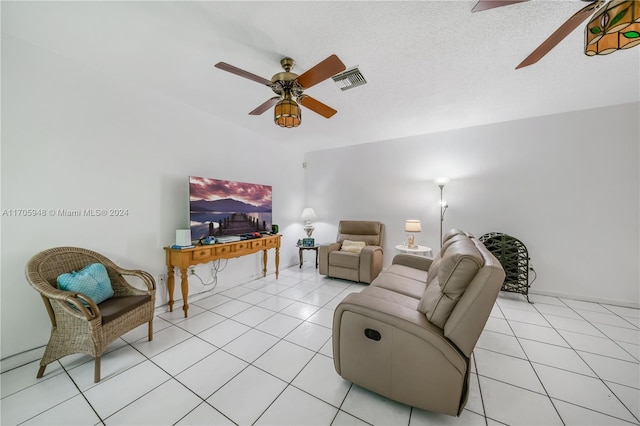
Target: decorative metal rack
(514, 258)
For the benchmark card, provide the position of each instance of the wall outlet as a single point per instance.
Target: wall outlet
(531, 265)
(161, 286)
(192, 270)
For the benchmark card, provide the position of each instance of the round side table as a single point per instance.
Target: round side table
(421, 250)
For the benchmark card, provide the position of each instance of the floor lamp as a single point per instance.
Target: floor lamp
(441, 182)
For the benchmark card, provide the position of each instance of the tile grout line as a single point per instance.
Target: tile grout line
(588, 365)
(316, 353)
(222, 349)
(533, 368)
(563, 338)
(477, 378)
(170, 375)
(290, 383)
(596, 373)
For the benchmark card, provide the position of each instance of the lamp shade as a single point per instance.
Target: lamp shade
(308, 214)
(412, 226)
(287, 113)
(441, 181)
(615, 26)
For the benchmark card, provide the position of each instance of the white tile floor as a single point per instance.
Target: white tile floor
(260, 353)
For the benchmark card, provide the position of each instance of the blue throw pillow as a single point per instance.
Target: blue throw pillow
(92, 281)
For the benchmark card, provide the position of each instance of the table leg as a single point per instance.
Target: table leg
(184, 283)
(300, 254)
(316, 249)
(264, 263)
(171, 283)
(277, 260)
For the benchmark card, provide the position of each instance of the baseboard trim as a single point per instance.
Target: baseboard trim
(613, 302)
(21, 358)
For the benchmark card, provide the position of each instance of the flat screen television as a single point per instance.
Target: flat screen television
(223, 207)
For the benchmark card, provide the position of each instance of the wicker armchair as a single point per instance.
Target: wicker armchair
(88, 328)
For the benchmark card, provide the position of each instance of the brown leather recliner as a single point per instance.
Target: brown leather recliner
(336, 261)
(410, 334)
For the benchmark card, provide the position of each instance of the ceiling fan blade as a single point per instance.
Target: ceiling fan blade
(491, 4)
(265, 106)
(325, 69)
(316, 106)
(242, 73)
(564, 30)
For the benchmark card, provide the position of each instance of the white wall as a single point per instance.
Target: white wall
(566, 185)
(75, 138)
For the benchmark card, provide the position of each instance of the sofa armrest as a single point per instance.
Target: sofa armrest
(412, 261)
(370, 263)
(323, 257)
(122, 287)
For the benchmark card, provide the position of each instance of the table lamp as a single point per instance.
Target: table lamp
(412, 226)
(308, 215)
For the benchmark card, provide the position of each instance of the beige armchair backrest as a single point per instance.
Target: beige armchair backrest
(467, 320)
(360, 230)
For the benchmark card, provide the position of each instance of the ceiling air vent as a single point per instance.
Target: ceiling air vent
(349, 79)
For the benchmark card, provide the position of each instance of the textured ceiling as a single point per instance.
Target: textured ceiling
(430, 65)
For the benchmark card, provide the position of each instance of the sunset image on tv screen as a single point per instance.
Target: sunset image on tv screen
(222, 207)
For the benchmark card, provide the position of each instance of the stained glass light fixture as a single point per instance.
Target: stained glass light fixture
(287, 112)
(615, 26)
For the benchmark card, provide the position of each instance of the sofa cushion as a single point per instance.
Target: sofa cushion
(460, 262)
(115, 307)
(344, 259)
(408, 272)
(391, 296)
(450, 238)
(353, 246)
(402, 279)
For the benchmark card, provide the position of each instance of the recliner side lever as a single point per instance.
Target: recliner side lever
(372, 334)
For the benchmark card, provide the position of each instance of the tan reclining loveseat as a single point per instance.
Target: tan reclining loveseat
(361, 266)
(409, 335)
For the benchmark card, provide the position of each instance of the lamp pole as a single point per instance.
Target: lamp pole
(441, 182)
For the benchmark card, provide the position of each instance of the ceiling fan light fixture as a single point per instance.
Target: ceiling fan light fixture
(287, 112)
(616, 26)
(287, 85)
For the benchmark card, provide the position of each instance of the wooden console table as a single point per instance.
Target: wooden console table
(184, 258)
